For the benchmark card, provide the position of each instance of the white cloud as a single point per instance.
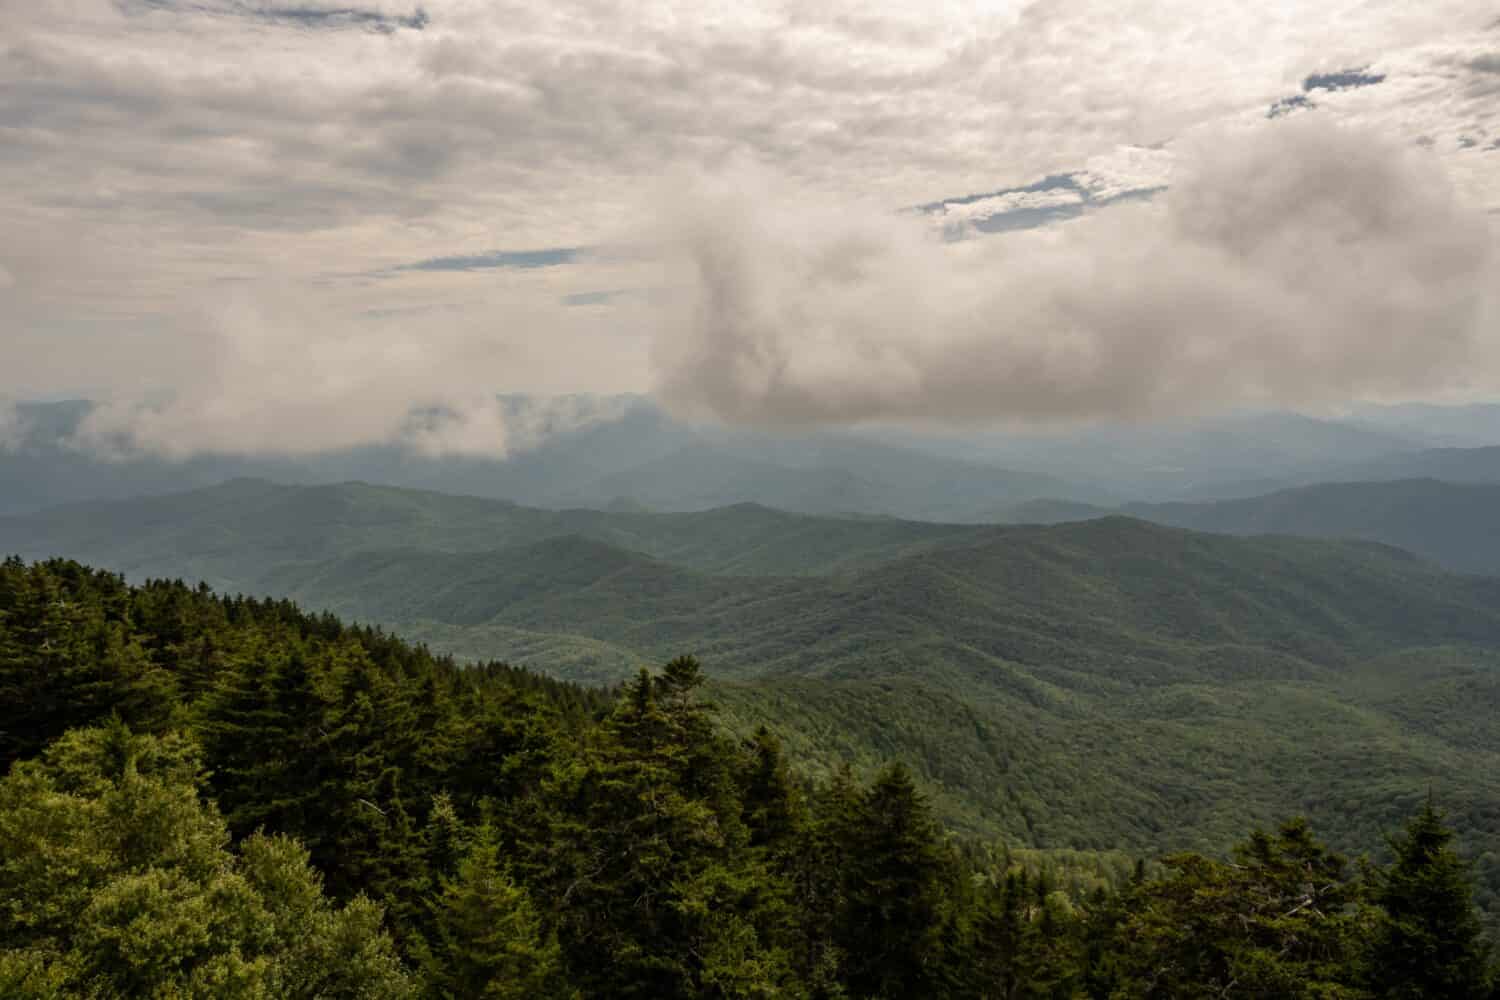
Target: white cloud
(1292, 263)
(302, 380)
(162, 164)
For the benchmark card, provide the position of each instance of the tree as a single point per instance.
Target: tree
(773, 807)
(119, 882)
(1281, 920)
(896, 881)
(1027, 942)
(1429, 939)
(67, 658)
(488, 939)
(658, 895)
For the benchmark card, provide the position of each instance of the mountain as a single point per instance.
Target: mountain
(1048, 611)
(1209, 458)
(1455, 465)
(1457, 426)
(1105, 684)
(232, 534)
(772, 592)
(1455, 524)
(597, 452)
(573, 452)
(825, 474)
(322, 809)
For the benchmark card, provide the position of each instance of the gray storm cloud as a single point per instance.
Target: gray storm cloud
(1295, 263)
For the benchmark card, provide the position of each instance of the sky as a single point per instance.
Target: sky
(261, 225)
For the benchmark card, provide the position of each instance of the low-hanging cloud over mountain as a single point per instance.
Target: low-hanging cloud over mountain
(1295, 262)
(292, 224)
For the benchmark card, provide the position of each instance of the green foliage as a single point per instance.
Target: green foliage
(394, 825)
(1428, 938)
(897, 879)
(1449, 522)
(1100, 686)
(1282, 919)
(658, 893)
(120, 883)
(488, 939)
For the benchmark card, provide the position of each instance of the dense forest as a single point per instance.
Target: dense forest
(1106, 686)
(226, 797)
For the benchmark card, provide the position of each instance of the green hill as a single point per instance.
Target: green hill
(1453, 523)
(1097, 685)
(231, 535)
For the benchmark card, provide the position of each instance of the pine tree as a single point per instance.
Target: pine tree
(657, 891)
(118, 882)
(1001, 928)
(1429, 940)
(773, 806)
(67, 658)
(488, 940)
(1281, 920)
(895, 884)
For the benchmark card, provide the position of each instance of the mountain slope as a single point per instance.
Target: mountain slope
(1041, 612)
(1111, 683)
(825, 474)
(1454, 465)
(1455, 524)
(1090, 686)
(233, 534)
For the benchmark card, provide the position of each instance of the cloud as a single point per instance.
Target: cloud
(300, 380)
(1293, 263)
(490, 426)
(7, 280)
(357, 181)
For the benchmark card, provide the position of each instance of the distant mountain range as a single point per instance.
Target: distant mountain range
(625, 453)
(1454, 523)
(633, 455)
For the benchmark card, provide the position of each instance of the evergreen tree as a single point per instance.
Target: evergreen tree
(1429, 941)
(488, 940)
(896, 881)
(1280, 921)
(119, 883)
(657, 894)
(67, 657)
(817, 884)
(772, 803)
(1001, 929)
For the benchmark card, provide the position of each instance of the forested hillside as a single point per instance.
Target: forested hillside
(1098, 686)
(1456, 524)
(225, 797)
(233, 534)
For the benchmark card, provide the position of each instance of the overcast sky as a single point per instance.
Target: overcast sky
(248, 221)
